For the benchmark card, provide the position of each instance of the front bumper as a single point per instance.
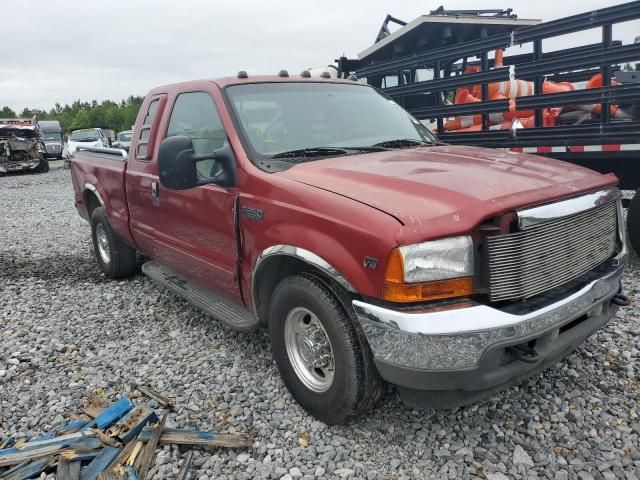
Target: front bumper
(454, 353)
(13, 166)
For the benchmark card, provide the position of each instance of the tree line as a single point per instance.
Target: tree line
(107, 114)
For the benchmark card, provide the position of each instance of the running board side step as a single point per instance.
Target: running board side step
(234, 316)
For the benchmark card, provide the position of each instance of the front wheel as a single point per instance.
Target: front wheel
(321, 352)
(116, 259)
(43, 166)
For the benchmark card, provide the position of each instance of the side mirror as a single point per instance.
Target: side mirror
(177, 164)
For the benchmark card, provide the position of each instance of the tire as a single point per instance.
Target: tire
(59, 157)
(116, 259)
(43, 166)
(633, 223)
(355, 387)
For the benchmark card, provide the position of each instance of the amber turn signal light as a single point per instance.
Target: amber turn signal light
(419, 292)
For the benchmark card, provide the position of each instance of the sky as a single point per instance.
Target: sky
(63, 50)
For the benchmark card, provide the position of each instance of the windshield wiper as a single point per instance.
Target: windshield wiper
(368, 148)
(311, 152)
(402, 142)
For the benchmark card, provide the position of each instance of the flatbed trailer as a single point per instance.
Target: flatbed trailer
(424, 62)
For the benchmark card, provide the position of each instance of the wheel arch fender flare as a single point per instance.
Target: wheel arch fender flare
(306, 256)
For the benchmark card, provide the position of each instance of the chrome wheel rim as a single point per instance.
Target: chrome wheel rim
(309, 349)
(103, 243)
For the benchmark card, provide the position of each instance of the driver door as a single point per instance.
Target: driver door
(195, 231)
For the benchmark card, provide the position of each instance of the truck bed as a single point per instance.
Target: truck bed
(98, 174)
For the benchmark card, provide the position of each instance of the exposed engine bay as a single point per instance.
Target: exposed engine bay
(21, 147)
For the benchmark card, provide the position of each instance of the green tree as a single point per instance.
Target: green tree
(116, 116)
(6, 112)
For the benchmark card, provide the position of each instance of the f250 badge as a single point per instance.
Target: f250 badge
(254, 213)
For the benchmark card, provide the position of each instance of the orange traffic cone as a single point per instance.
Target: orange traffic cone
(553, 87)
(596, 81)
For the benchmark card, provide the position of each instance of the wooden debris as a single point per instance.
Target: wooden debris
(113, 413)
(65, 440)
(129, 426)
(71, 427)
(134, 454)
(16, 457)
(124, 455)
(166, 402)
(94, 405)
(28, 470)
(80, 455)
(99, 463)
(107, 440)
(198, 437)
(183, 474)
(47, 436)
(150, 449)
(118, 441)
(68, 470)
(304, 439)
(7, 442)
(80, 416)
(119, 473)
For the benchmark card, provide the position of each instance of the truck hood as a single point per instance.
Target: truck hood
(446, 190)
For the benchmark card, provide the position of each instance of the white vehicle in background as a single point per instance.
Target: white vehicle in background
(87, 137)
(123, 140)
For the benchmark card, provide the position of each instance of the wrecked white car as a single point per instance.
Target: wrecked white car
(21, 147)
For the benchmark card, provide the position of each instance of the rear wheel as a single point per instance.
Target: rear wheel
(116, 259)
(633, 223)
(321, 352)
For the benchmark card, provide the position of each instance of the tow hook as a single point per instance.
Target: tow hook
(524, 353)
(620, 299)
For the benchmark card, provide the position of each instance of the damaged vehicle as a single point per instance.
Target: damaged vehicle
(21, 147)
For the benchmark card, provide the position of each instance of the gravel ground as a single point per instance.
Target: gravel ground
(66, 331)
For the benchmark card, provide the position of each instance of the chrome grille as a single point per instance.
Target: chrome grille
(550, 254)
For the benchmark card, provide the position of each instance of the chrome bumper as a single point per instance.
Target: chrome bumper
(455, 336)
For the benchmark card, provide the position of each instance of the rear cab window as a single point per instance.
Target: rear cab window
(148, 130)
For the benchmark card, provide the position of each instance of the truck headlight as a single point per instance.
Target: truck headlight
(430, 270)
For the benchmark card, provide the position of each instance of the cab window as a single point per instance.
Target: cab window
(195, 116)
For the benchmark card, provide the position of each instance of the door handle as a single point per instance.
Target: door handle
(155, 193)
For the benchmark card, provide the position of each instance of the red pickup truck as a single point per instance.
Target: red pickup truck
(373, 253)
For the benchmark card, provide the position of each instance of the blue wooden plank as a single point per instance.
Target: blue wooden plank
(197, 437)
(99, 463)
(89, 425)
(7, 451)
(7, 442)
(114, 413)
(46, 436)
(29, 470)
(131, 474)
(129, 426)
(71, 427)
(30, 454)
(80, 455)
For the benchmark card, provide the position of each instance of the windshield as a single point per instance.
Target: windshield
(282, 117)
(124, 136)
(57, 136)
(84, 136)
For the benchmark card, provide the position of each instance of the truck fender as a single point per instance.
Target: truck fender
(304, 255)
(90, 188)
